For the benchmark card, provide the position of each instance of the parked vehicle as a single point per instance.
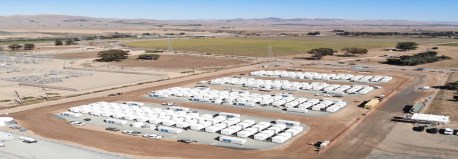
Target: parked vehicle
(136, 133)
(432, 130)
(169, 104)
(27, 139)
(112, 129)
(149, 135)
(448, 131)
(127, 131)
(76, 123)
(419, 128)
(115, 94)
(186, 141)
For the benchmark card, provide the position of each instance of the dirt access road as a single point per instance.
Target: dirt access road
(43, 123)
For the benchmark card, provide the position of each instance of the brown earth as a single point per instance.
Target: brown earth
(180, 61)
(164, 62)
(78, 55)
(444, 104)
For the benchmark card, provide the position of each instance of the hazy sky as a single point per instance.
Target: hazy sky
(424, 10)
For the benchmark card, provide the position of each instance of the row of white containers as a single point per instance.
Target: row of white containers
(175, 119)
(293, 86)
(322, 76)
(247, 99)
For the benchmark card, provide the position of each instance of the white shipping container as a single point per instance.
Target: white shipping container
(169, 129)
(235, 140)
(71, 114)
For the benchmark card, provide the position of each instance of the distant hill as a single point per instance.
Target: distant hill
(80, 24)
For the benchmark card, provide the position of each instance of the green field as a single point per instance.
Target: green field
(280, 46)
(449, 44)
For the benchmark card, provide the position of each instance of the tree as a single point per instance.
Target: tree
(15, 46)
(406, 45)
(148, 56)
(416, 59)
(318, 53)
(58, 42)
(452, 85)
(112, 55)
(69, 42)
(354, 51)
(29, 46)
(314, 33)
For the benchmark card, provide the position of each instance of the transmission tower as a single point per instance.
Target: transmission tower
(269, 51)
(170, 48)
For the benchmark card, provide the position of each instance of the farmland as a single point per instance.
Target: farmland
(450, 44)
(280, 45)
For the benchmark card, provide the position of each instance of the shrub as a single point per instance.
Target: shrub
(58, 42)
(416, 59)
(452, 85)
(70, 42)
(354, 51)
(148, 56)
(318, 53)
(15, 46)
(112, 55)
(407, 45)
(29, 46)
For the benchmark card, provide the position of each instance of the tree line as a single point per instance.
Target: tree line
(16, 47)
(428, 34)
(416, 59)
(319, 53)
(119, 55)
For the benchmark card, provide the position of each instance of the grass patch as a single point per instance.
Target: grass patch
(450, 44)
(24, 41)
(27, 98)
(6, 100)
(280, 45)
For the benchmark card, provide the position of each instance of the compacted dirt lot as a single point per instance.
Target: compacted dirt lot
(180, 61)
(43, 122)
(164, 62)
(444, 103)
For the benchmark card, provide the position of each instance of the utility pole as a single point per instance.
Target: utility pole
(19, 97)
(193, 70)
(269, 51)
(169, 46)
(47, 97)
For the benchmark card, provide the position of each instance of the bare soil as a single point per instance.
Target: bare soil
(179, 61)
(444, 104)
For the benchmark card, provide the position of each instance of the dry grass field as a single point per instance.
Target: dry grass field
(280, 45)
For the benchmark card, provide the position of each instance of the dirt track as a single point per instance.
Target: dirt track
(42, 122)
